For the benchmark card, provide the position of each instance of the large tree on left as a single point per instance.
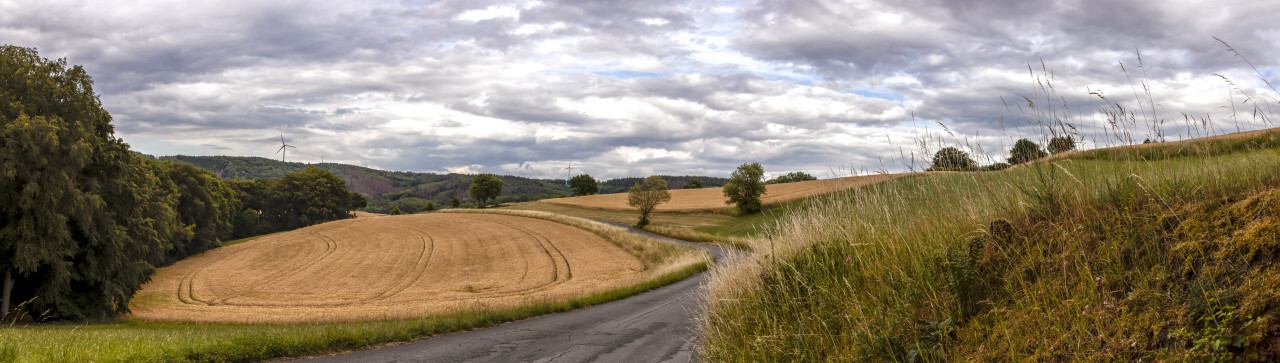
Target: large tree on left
(80, 216)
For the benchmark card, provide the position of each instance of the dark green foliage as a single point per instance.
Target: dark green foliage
(646, 197)
(84, 220)
(745, 187)
(80, 214)
(1062, 144)
(205, 206)
(429, 207)
(1025, 150)
(792, 177)
(455, 202)
(358, 200)
(300, 199)
(584, 185)
(485, 187)
(621, 185)
(395, 211)
(995, 167)
(693, 184)
(952, 159)
(383, 189)
(308, 197)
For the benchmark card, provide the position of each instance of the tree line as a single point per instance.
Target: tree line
(953, 159)
(84, 221)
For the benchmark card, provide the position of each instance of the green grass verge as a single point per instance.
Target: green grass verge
(1150, 254)
(147, 342)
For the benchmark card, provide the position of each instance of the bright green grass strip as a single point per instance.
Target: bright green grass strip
(135, 341)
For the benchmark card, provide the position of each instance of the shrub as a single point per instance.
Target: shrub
(791, 178)
(430, 206)
(396, 211)
(694, 184)
(455, 202)
(995, 167)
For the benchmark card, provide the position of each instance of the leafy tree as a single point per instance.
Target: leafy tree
(745, 187)
(584, 184)
(204, 205)
(455, 202)
(300, 199)
(646, 196)
(952, 159)
(1024, 151)
(308, 197)
(254, 197)
(485, 187)
(693, 184)
(396, 211)
(358, 201)
(1062, 144)
(791, 178)
(430, 206)
(80, 214)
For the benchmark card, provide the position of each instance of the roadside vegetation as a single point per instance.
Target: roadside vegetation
(1163, 251)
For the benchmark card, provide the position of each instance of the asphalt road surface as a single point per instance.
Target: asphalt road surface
(655, 326)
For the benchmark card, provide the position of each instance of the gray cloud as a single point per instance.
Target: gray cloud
(626, 88)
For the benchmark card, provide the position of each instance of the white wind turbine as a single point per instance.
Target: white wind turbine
(283, 148)
(567, 173)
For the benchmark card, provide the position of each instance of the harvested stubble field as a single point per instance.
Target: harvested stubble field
(688, 200)
(389, 267)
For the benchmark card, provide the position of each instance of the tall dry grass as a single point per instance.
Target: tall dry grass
(904, 270)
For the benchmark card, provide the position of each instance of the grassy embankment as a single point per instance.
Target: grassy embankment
(1158, 252)
(138, 341)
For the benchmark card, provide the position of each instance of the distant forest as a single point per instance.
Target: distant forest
(409, 191)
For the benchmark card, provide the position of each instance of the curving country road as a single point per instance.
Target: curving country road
(655, 326)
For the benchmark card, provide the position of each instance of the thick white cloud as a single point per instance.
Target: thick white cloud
(632, 88)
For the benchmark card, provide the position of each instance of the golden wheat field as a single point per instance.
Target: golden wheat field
(684, 200)
(387, 267)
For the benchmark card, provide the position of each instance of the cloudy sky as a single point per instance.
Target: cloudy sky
(632, 88)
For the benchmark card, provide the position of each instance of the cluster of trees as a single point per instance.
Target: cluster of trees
(622, 185)
(1023, 151)
(792, 177)
(300, 199)
(84, 221)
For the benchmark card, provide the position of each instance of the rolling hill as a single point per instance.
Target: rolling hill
(409, 191)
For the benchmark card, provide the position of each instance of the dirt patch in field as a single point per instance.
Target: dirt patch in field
(713, 198)
(374, 268)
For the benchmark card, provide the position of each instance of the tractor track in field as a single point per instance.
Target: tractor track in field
(655, 326)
